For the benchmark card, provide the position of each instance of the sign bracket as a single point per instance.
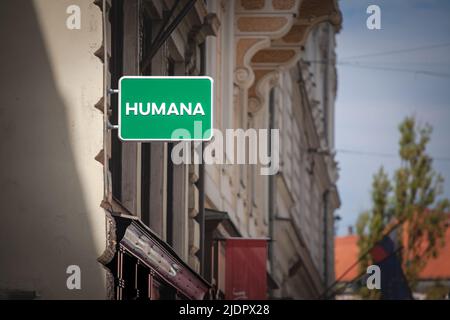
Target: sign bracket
(111, 126)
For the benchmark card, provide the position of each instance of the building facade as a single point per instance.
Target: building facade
(136, 224)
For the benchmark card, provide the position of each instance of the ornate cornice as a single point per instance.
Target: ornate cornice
(270, 35)
(258, 23)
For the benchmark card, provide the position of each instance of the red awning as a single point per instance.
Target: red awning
(246, 277)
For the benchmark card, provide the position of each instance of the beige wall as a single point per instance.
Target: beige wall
(305, 176)
(51, 185)
(298, 227)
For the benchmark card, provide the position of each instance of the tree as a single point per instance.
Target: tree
(371, 224)
(411, 200)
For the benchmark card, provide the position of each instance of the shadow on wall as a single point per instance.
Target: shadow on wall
(44, 224)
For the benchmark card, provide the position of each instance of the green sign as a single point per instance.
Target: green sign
(165, 108)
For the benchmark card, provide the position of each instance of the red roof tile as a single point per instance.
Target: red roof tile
(346, 254)
(439, 268)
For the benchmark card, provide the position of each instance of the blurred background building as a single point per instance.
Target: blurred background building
(137, 225)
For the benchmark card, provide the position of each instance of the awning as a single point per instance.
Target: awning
(134, 236)
(215, 217)
(246, 275)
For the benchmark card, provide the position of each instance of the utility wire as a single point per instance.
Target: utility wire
(380, 154)
(342, 289)
(325, 294)
(377, 63)
(339, 290)
(365, 65)
(415, 71)
(385, 53)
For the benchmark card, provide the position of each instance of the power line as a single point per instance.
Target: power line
(381, 154)
(384, 53)
(340, 290)
(367, 153)
(402, 63)
(415, 71)
(386, 232)
(367, 65)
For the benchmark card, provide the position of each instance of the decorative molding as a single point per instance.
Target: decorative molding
(273, 56)
(254, 104)
(268, 25)
(257, 24)
(283, 4)
(100, 105)
(252, 4)
(243, 77)
(315, 12)
(100, 157)
(296, 34)
(265, 79)
(196, 36)
(245, 49)
(270, 36)
(285, 51)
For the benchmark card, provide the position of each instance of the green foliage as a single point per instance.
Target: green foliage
(367, 294)
(437, 292)
(412, 199)
(370, 224)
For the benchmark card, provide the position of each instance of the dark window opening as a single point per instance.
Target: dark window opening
(202, 47)
(170, 197)
(146, 146)
(116, 69)
(170, 177)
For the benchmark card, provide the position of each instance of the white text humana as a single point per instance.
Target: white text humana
(152, 108)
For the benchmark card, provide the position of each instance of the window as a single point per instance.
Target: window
(130, 162)
(125, 48)
(170, 175)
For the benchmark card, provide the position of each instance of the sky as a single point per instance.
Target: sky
(372, 102)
